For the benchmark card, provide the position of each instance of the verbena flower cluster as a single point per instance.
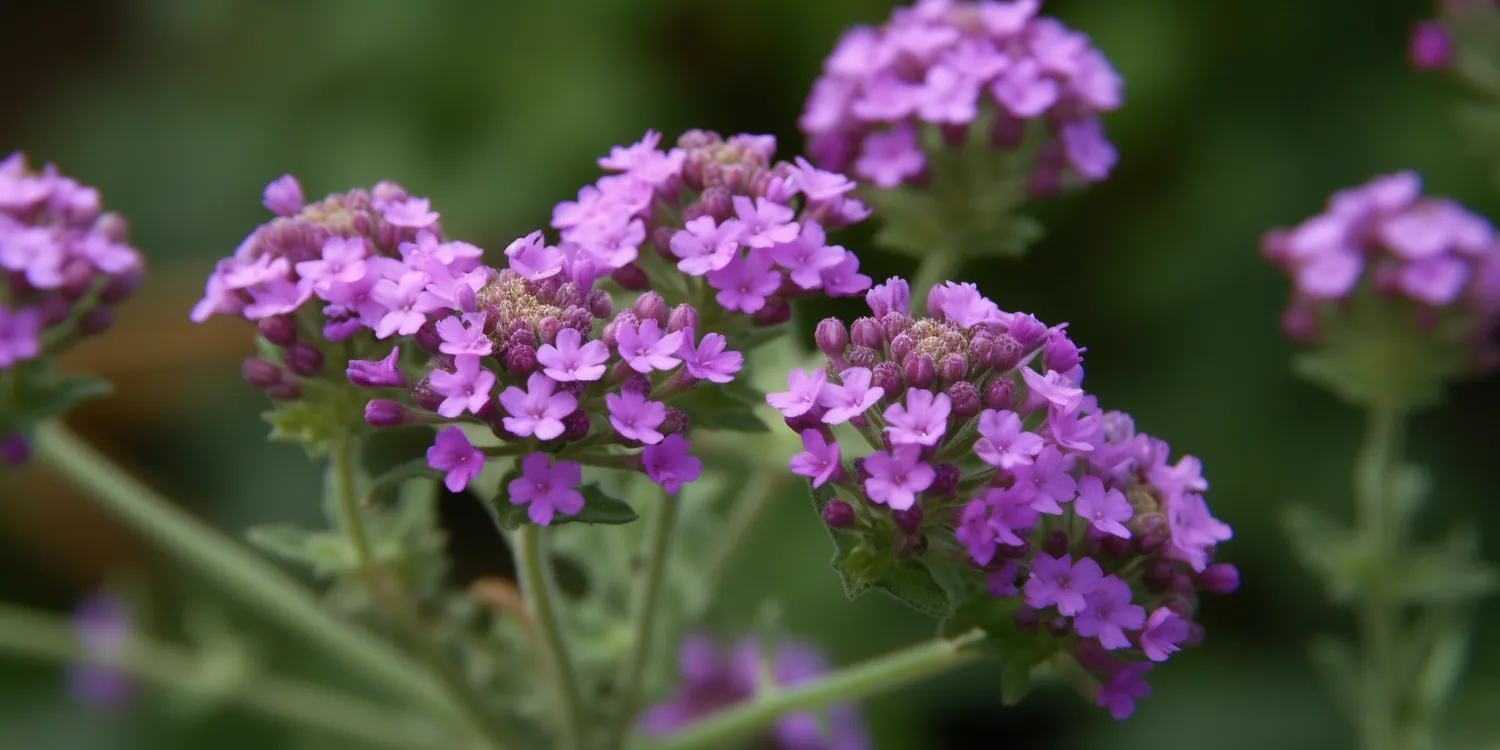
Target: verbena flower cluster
(946, 65)
(739, 229)
(1386, 239)
(713, 679)
(989, 456)
(64, 261)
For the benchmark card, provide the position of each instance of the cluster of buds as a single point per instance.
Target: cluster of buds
(64, 265)
(1382, 245)
(713, 680)
(945, 67)
(739, 229)
(989, 457)
(1463, 29)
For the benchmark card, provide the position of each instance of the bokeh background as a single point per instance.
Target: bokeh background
(1239, 116)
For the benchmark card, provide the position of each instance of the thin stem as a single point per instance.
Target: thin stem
(342, 468)
(747, 510)
(537, 586)
(48, 637)
(851, 683)
(644, 605)
(240, 572)
(935, 269)
(1379, 617)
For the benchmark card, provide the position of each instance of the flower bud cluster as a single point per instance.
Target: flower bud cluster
(64, 262)
(945, 65)
(989, 456)
(739, 228)
(1384, 242)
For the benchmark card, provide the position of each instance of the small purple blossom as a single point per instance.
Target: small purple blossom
(401, 299)
(464, 334)
(451, 452)
(283, 196)
(547, 488)
(849, 398)
(538, 410)
(1106, 510)
(383, 373)
(19, 335)
(414, 213)
(819, 459)
(892, 296)
(1162, 632)
(467, 388)
(709, 360)
(921, 421)
(1126, 683)
(1108, 613)
(570, 360)
(808, 256)
(105, 629)
(1061, 582)
(644, 347)
(975, 533)
(764, 223)
(1046, 480)
(745, 283)
(1052, 388)
(669, 464)
(704, 245)
(533, 258)
(801, 394)
(634, 417)
(896, 478)
(1004, 444)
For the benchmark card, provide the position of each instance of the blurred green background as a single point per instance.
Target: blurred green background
(1239, 116)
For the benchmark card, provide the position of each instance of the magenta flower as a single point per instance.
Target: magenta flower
(975, 533)
(819, 186)
(850, 398)
(744, 283)
(1053, 388)
(802, 393)
(807, 256)
(1071, 429)
(19, 335)
(1125, 684)
(819, 459)
(1046, 480)
(568, 361)
(1163, 631)
(896, 478)
(533, 258)
(1005, 444)
(283, 196)
(1108, 613)
(414, 213)
(400, 298)
(669, 464)
(844, 279)
(922, 421)
(546, 488)
(708, 360)
(1011, 515)
(467, 388)
(342, 261)
(705, 246)
(379, 374)
(464, 334)
(892, 296)
(1058, 581)
(539, 409)
(890, 157)
(764, 223)
(645, 348)
(1107, 511)
(634, 417)
(452, 453)
(1193, 529)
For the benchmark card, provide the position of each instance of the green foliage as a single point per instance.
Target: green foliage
(1332, 551)
(1022, 653)
(864, 564)
(416, 468)
(598, 508)
(32, 392)
(730, 407)
(327, 413)
(1445, 573)
(324, 552)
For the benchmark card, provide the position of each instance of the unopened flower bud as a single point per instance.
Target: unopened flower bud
(683, 316)
(1013, 551)
(428, 339)
(424, 397)
(1004, 353)
(651, 306)
(887, 376)
(637, 383)
(520, 361)
(1027, 618)
(77, 278)
(676, 422)
(919, 371)
(838, 514)
(260, 373)
(576, 426)
(14, 450)
(547, 329)
(120, 286)
(953, 367)
(901, 347)
(999, 394)
(777, 310)
(894, 324)
(283, 196)
(54, 309)
(630, 278)
(966, 401)
(1220, 578)
(945, 481)
(1431, 46)
(860, 356)
(96, 321)
(1158, 575)
(381, 373)
(287, 391)
(599, 303)
(1060, 354)
(867, 332)
(909, 545)
(384, 413)
(1057, 626)
(909, 520)
(1115, 546)
(280, 330)
(831, 337)
(303, 359)
(1027, 331)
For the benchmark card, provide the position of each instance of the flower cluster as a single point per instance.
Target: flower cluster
(944, 65)
(737, 227)
(714, 680)
(1386, 240)
(64, 262)
(104, 628)
(989, 456)
(1461, 26)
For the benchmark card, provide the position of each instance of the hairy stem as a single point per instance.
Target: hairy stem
(36, 635)
(849, 684)
(241, 573)
(341, 470)
(644, 604)
(1379, 616)
(535, 574)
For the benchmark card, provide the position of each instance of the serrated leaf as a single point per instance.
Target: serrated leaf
(416, 468)
(862, 567)
(1331, 551)
(721, 409)
(326, 414)
(1447, 573)
(320, 551)
(44, 393)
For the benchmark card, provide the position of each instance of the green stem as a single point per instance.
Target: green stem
(644, 605)
(342, 468)
(41, 636)
(851, 683)
(1379, 617)
(747, 510)
(935, 269)
(218, 558)
(537, 586)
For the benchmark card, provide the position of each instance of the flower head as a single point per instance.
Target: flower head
(819, 459)
(634, 417)
(452, 453)
(546, 488)
(669, 464)
(539, 409)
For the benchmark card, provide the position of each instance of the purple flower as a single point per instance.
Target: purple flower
(705, 246)
(415, 213)
(1046, 480)
(1053, 388)
(1125, 684)
(892, 296)
(744, 283)
(819, 186)
(802, 394)
(1108, 613)
(889, 157)
(708, 360)
(400, 298)
(1057, 580)
(634, 417)
(975, 533)
(896, 478)
(464, 334)
(850, 398)
(1193, 529)
(1431, 47)
(451, 452)
(1010, 513)
(807, 256)
(547, 488)
(922, 421)
(104, 629)
(764, 223)
(1105, 510)
(342, 261)
(533, 258)
(963, 305)
(1163, 631)
(1004, 444)
(644, 348)
(19, 335)
(283, 196)
(819, 459)
(466, 389)
(380, 374)
(539, 409)
(669, 464)
(1072, 430)
(568, 361)
(844, 279)
(1087, 150)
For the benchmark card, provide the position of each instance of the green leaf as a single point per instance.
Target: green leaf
(1335, 659)
(864, 565)
(413, 469)
(1021, 652)
(1329, 550)
(42, 393)
(598, 508)
(326, 413)
(717, 408)
(1446, 573)
(322, 552)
